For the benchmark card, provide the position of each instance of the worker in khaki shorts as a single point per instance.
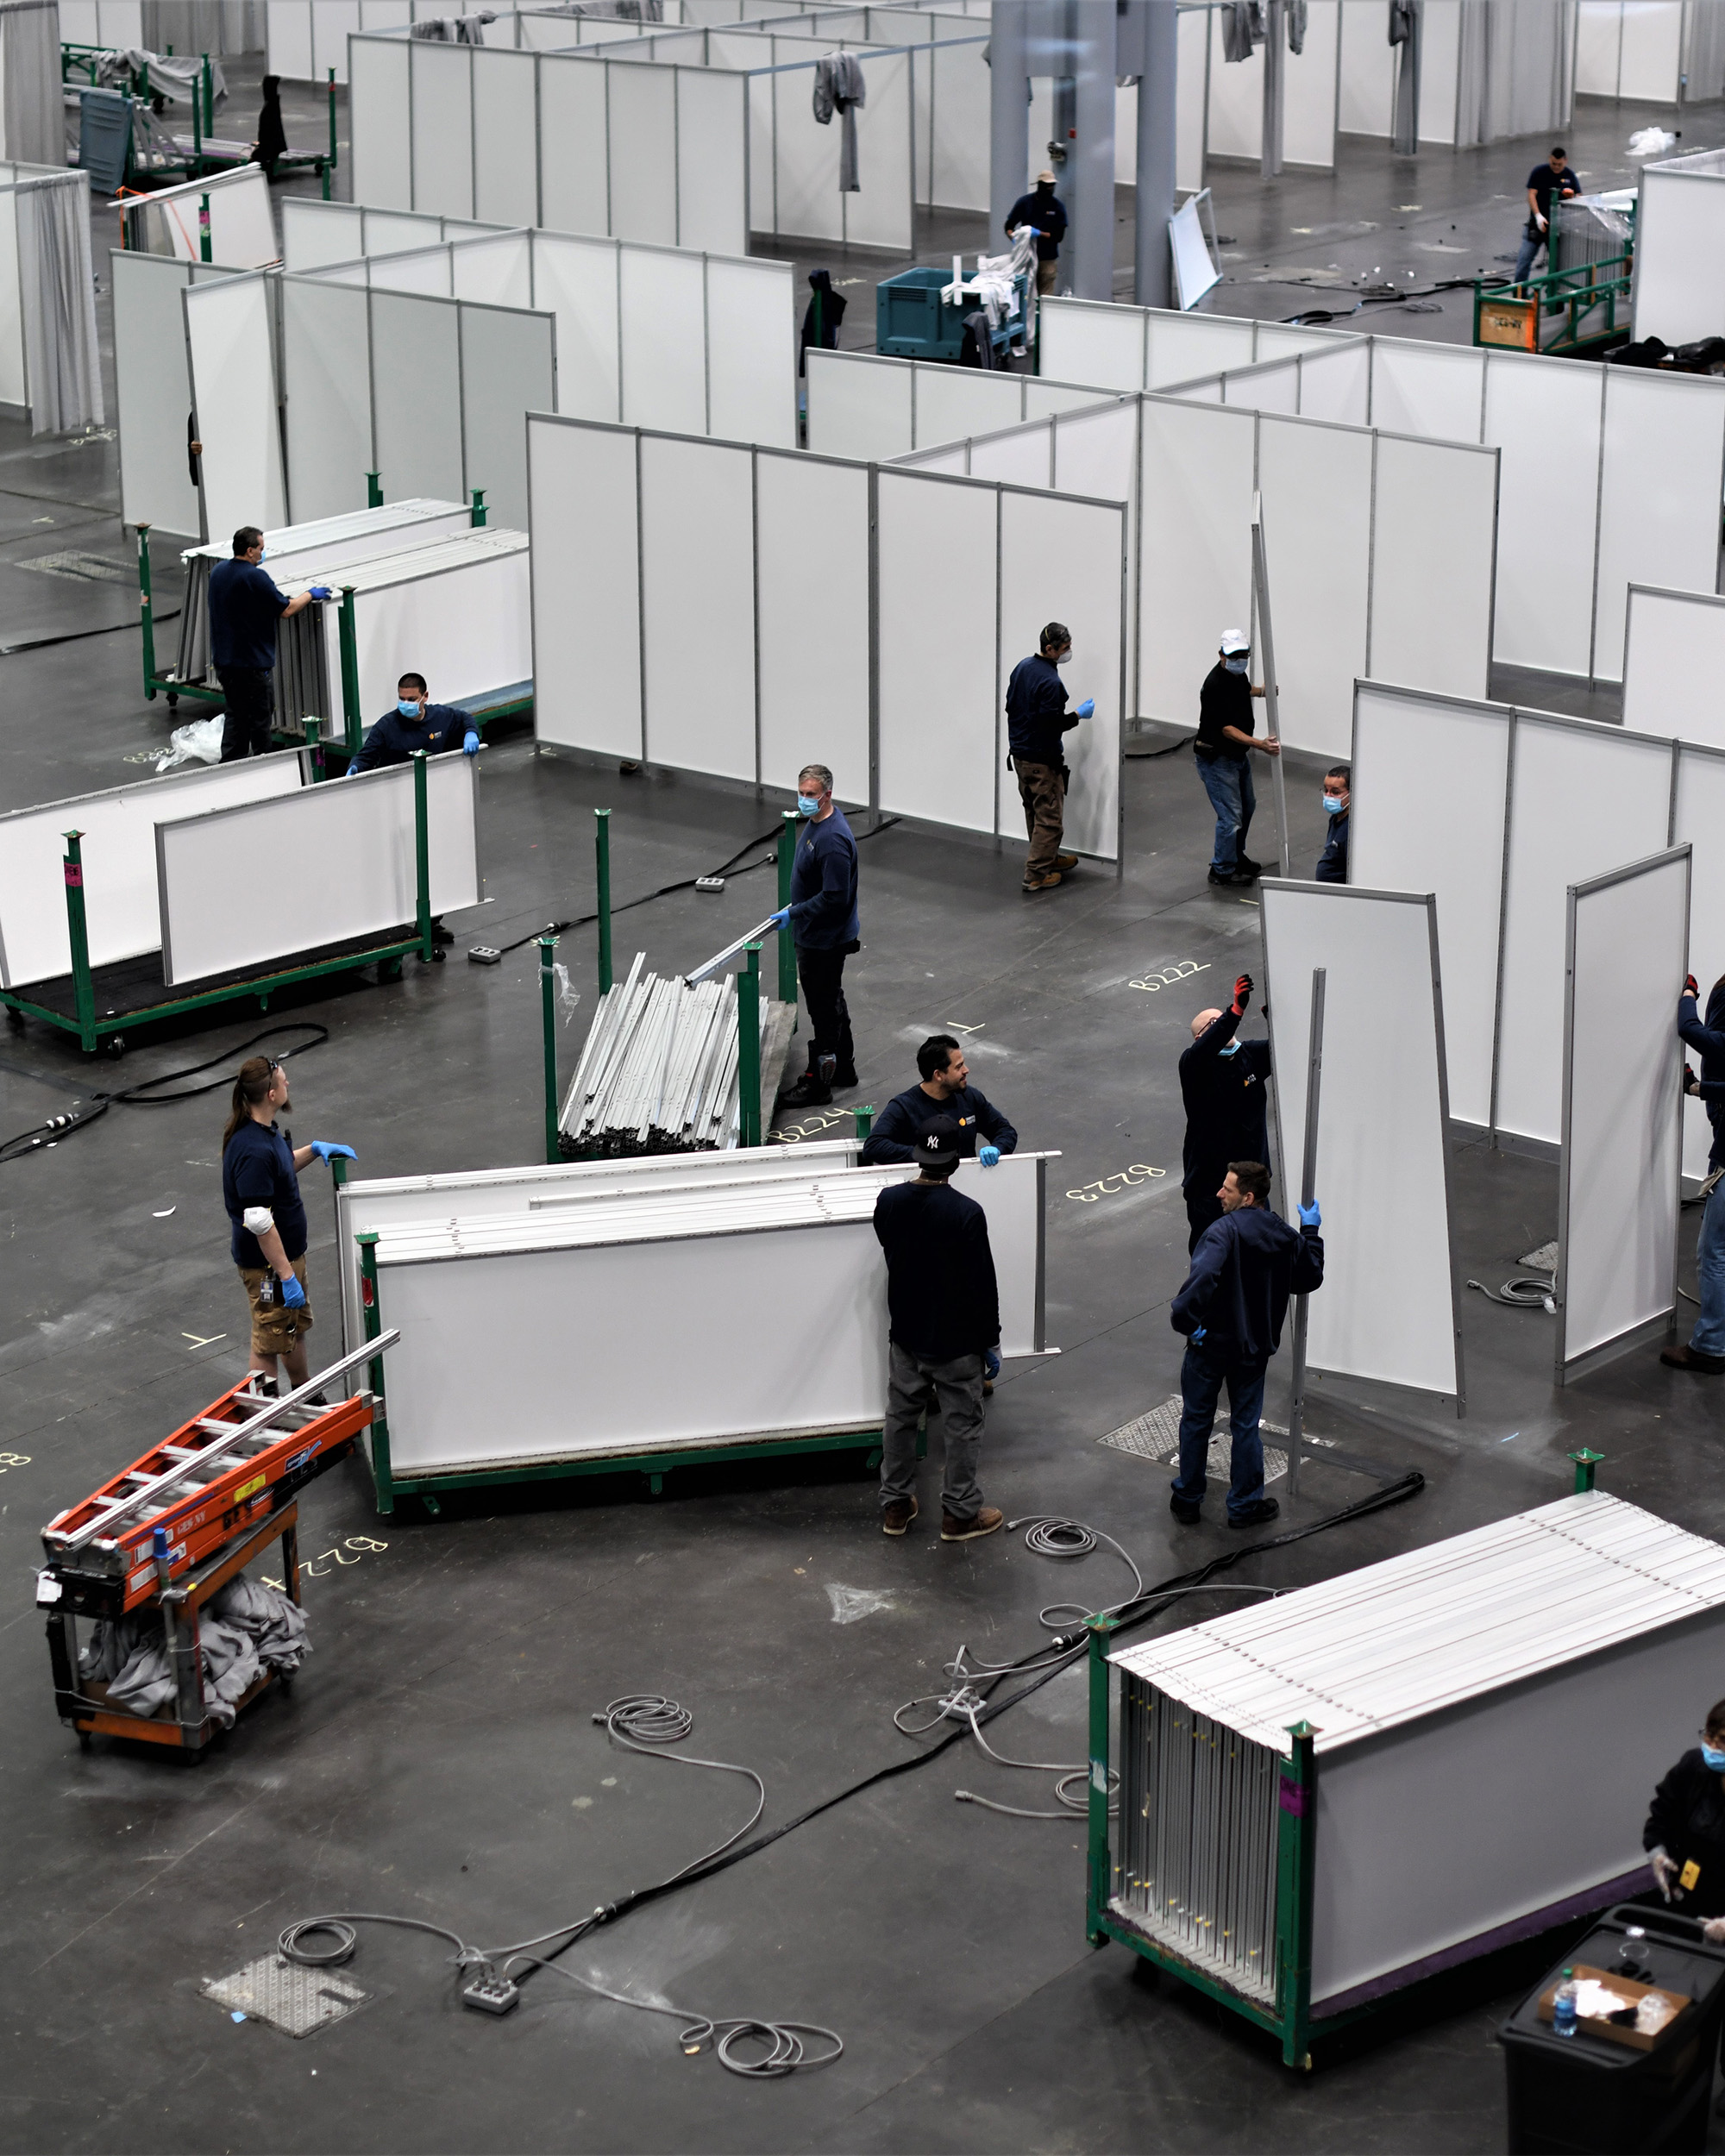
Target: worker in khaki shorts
(1037, 718)
(261, 1189)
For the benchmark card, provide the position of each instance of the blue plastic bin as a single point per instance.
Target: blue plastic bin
(909, 323)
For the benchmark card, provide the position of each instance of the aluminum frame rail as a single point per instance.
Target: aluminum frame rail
(659, 1070)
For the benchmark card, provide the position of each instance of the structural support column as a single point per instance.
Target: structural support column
(1008, 116)
(1275, 74)
(1090, 251)
(1158, 27)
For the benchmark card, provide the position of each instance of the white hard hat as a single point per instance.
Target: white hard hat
(1235, 640)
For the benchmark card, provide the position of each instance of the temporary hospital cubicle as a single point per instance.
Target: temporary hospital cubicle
(862, 405)
(903, 594)
(1390, 1306)
(316, 234)
(1485, 72)
(1656, 52)
(1619, 1184)
(1309, 86)
(242, 223)
(1628, 463)
(50, 364)
(1362, 530)
(1114, 346)
(1553, 802)
(1679, 282)
(1674, 664)
(304, 39)
(153, 394)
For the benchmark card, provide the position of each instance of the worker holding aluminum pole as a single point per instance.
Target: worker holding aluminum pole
(1231, 1309)
(1225, 745)
(1703, 1353)
(822, 920)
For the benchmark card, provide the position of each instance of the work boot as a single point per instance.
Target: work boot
(814, 1088)
(1065, 862)
(1255, 1515)
(1684, 1358)
(1185, 1511)
(844, 1077)
(897, 1516)
(1232, 875)
(1040, 883)
(446, 937)
(988, 1520)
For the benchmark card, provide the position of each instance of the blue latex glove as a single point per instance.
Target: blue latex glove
(778, 919)
(353, 768)
(1198, 1332)
(324, 1147)
(292, 1295)
(989, 1156)
(1088, 708)
(322, 591)
(991, 1363)
(470, 743)
(1311, 1216)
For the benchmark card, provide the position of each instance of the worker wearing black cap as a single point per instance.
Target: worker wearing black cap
(944, 1329)
(1222, 1081)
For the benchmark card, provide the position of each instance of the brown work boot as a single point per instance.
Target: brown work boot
(1040, 883)
(1684, 1358)
(897, 1516)
(1064, 861)
(987, 1521)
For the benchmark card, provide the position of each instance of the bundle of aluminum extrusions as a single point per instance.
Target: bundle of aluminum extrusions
(658, 1072)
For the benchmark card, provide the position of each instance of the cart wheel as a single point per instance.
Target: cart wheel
(114, 1047)
(83, 1744)
(15, 1018)
(438, 954)
(173, 703)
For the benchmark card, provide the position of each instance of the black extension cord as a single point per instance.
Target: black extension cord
(144, 1095)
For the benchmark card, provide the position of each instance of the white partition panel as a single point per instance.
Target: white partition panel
(505, 127)
(574, 178)
(586, 568)
(1434, 536)
(119, 854)
(641, 132)
(1065, 559)
(381, 158)
(1021, 457)
(697, 603)
(1408, 748)
(441, 85)
(497, 272)
(1308, 117)
(813, 597)
(466, 629)
(575, 279)
(427, 270)
(1680, 290)
(1618, 1184)
(954, 401)
(1697, 820)
(1181, 347)
(1544, 416)
(751, 353)
(1316, 483)
(958, 158)
(712, 161)
(664, 339)
(326, 366)
(354, 842)
(231, 342)
(153, 392)
(1198, 466)
(416, 394)
(1089, 341)
(1656, 525)
(1337, 384)
(1674, 665)
(242, 227)
(509, 367)
(860, 406)
(883, 214)
(1095, 452)
(315, 234)
(1585, 797)
(940, 741)
(1388, 1307)
(1428, 389)
(1236, 113)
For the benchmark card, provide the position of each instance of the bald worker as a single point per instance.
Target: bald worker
(1222, 1082)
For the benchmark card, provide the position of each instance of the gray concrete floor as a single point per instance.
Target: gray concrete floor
(437, 1758)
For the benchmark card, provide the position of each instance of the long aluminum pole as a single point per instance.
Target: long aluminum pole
(755, 935)
(1266, 640)
(1158, 93)
(1314, 1066)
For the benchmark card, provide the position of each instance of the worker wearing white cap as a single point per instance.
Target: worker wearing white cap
(1045, 214)
(1223, 749)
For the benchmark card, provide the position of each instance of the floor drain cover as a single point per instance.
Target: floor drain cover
(288, 1997)
(86, 568)
(1157, 1437)
(1543, 1260)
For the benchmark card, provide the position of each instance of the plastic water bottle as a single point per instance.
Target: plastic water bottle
(1562, 2007)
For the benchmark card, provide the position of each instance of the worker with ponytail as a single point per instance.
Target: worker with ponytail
(260, 1188)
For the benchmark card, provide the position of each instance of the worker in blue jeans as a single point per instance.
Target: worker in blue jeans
(1243, 1269)
(1223, 749)
(1703, 1353)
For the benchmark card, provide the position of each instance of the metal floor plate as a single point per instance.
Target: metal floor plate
(296, 2000)
(1157, 1437)
(1543, 1260)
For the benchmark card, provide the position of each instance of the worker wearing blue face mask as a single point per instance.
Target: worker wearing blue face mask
(1332, 862)
(1222, 1082)
(822, 920)
(1684, 1836)
(1223, 749)
(414, 725)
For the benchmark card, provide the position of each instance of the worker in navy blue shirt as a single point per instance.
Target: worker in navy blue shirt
(1332, 862)
(245, 607)
(1246, 1265)
(944, 1314)
(1552, 178)
(1222, 1080)
(1703, 1353)
(821, 919)
(1037, 720)
(416, 725)
(1043, 209)
(260, 1190)
(1223, 748)
(983, 1132)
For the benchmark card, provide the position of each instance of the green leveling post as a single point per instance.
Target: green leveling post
(315, 748)
(480, 511)
(330, 163)
(602, 859)
(374, 490)
(78, 936)
(788, 949)
(145, 615)
(421, 857)
(749, 1047)
(204, 252)
(368, 1303)
(1097, 1881)
(548, 1006)
(350, 671)
(1295, 1871)
(865, 1122)
(1587, 1465)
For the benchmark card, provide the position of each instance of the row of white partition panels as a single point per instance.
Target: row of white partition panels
(419, 365)
(1658, 52)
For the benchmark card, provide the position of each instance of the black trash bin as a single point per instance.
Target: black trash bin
(1573, 2096)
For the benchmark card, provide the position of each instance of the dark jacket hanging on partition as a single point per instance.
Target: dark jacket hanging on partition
(821, 317)
(272, 142)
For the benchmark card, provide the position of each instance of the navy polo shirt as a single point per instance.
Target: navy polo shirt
(257, 1169)
(244, 608)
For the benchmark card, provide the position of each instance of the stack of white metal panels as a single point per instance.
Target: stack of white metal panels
(659, 1072)
(1491, 1713)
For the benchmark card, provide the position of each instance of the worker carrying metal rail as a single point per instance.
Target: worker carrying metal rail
(260, 1190)
(943, 1312)
(822, 920)
(983, 1132)
(245, 606)
(1221, 1081)
(1231, 1309)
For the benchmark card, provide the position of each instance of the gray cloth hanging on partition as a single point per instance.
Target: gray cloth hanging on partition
(453, 29)
(31, 107)
(1295, 12)
(840, 86)
(1400, 21)
(61, 358)
(1242, 28)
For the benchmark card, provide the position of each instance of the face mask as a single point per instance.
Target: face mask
(408, 707)
(263, 554)
(1234, 664)
(1232, 1049)
(1332, 804)
(807, 804)
(1712, 1760)
(1063, 658)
